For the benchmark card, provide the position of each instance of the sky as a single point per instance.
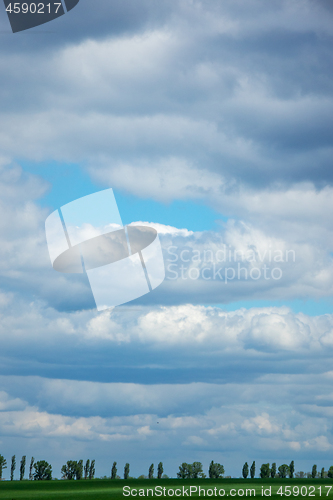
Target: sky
(212, 121)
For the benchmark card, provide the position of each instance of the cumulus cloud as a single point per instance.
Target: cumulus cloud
(154, 345)
(243, 260)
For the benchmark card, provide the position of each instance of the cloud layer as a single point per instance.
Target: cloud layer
(225, 103)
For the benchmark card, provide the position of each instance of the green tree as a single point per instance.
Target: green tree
(114, 471)
(291, 469)
(12, 468)
(22, 467)
(43, 471)
(314, 471)
(245, 470)
(264, 471)
(32, 461)
(64, 472)
(86, 469)
(190, 471)
(126, 471)
(69, 470)
(3, 465)
(151, 472)
(283, 471)
(92, 470)
(79, 470)
(159, 470)
(185, 471)
(322, 473)
(72, 470)
(330, 472)
(215, 470)
(197, 471)
(273, 470)
(253, 469)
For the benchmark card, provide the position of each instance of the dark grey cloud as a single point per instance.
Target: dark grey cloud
(211, 74)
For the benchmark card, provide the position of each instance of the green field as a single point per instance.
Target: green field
(99, 489)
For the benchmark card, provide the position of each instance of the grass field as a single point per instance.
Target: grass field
(99, 489)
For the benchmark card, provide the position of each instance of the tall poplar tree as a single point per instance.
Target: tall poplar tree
(253, 469)
(32, 461)
(92, 470)
(291, 469)
(12, 468)
(159, 470)
(314, 471)
(86, 469)
(126, 471)
(114, 471)
(22, 467)
(3, 465)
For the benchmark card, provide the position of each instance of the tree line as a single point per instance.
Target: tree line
(284, 471)
(38, 471)
(42, 470)
(77, 470)
(195, 471)
(160, 471)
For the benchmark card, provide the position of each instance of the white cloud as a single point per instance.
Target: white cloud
(164, 230)
(163, 180)
(261, 424)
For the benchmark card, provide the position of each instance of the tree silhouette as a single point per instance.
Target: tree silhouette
(151, 472)
(92, 470)
(159, 470)
(114, 471)
(126, 471)
(12, 468)
(43, 471)
(215, 470)
(314, 471)
(245, 470)
(32, 461)
(291, 469)
(22, 467)
(86, 469)
(3, 465)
